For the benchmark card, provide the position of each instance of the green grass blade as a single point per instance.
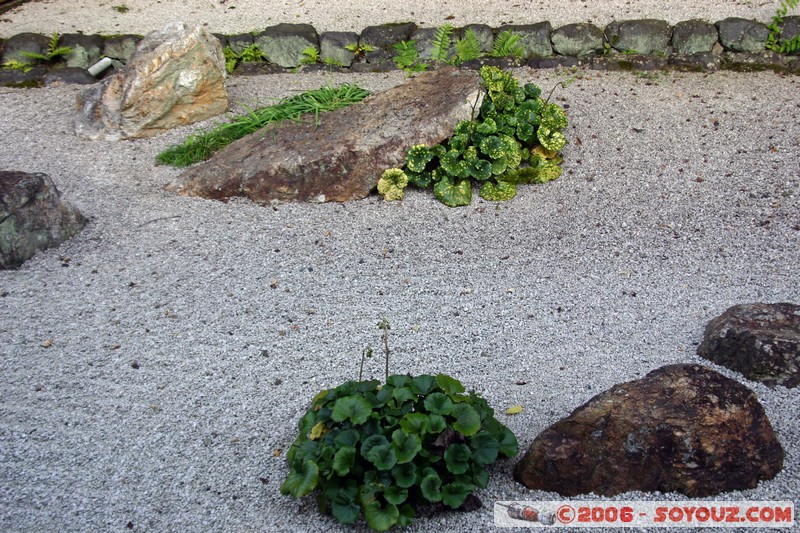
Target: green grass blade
(203, 145)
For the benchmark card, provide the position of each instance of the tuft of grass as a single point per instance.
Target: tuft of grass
(203, 145)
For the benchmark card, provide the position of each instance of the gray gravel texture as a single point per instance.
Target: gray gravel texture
(189, 335)
(236, 16)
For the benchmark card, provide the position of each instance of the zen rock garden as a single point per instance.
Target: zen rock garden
(683, 428)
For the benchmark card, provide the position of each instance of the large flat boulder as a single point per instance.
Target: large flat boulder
(343, 156)
(176, 77)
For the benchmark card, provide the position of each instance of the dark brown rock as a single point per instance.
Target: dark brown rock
(32, 217)
(343, 156)
(762, 341)
(682, 428)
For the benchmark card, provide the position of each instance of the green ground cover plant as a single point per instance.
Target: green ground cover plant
(382, 451)
(515, 139)
(203, 145)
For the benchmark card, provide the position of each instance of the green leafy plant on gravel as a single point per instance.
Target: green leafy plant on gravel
(310, 56)
(250, 54)
(515, 139)
(382, 451)
(201, 146)
(359, 50)
(774, 40)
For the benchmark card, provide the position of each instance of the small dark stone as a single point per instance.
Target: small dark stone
(73, 75)
(33, 217)
(135, 365)
(628, 62)
(19, 79)
(682, 428)
(86, 49)
(256, 68)
(700, 62)
(646, 36)
(693, 37)
(121, 47)
(578, 40)
(756, 62)
(534, 38)
(762, 341)
(239, 42)
(382, 39)
(742, 35)
(16, 46)
(283, 44)
(333, 47)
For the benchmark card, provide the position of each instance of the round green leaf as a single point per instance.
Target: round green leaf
(406, 445)
(480, 169)
(422, 180)
(449, 385)
(301, 480)
(418, 158)
(398, 380)
(468, 422)
(382, 456)
(438, 403)
(348, 437)
(436, 424)
(343, 460)
(554, 117)
(487, 127)
(344, 507)
(406, 516)
(422, 384)
(499, 167)
(493, 146)
(353, 408)
(403, 394)
(380, 518)
(453, 194)
(454, 494)
(508, 443)
(457, 457)
(480, 475)
(392, 184)
(414, 423)
(525, 132)
(431, 487)
(453, 164)
(484, 448)
(532, 90)
(395, 495)
(405, 475)
(372, 441)
(550, 139)
(499, 192)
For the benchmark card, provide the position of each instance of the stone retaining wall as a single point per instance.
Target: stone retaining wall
(647, 44)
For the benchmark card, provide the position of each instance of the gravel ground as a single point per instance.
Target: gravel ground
(189, 335)
(236, 16)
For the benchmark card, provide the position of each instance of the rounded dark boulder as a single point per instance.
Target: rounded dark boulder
(682, 428)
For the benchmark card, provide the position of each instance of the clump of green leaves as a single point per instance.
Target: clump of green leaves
(382, 451)
(250, 54)
(407, 57)
(360, 50)
(774, 40)
(506, 44)
(515, 139)
(201, 146)
(310, 56)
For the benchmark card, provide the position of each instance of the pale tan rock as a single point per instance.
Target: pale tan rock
(176, 77)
